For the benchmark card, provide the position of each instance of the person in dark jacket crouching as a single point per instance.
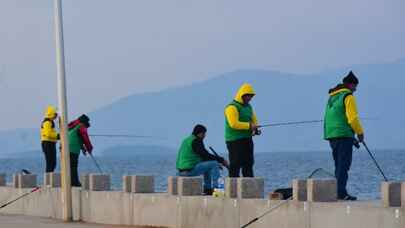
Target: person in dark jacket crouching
(194, 160)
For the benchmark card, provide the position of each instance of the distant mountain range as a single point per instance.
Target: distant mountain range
(171, 114)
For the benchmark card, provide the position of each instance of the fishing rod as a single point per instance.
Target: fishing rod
(123, 136)
(213, 151)
(290, 123)
(375, 161)
(96, 163)
(22, 196)
(216, 154)
(283, 202)
(300, 122)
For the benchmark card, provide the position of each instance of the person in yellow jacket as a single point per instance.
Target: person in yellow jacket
(341, 124)
(49, 137)
(240, 125)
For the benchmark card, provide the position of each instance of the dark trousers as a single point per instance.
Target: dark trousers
(342, 150)
(74, 175)
(241, 157)
(49, 149)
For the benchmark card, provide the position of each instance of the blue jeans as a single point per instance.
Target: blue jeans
(210, 170)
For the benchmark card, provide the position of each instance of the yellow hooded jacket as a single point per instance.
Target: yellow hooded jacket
(232, 114)
(351, 112)
(48, 132)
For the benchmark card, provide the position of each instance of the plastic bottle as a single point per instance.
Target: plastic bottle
(220, 190)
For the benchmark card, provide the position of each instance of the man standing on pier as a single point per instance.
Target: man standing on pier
(240, 126)
(49, 137)
(341, 124)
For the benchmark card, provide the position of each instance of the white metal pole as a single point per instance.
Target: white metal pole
(65, 159)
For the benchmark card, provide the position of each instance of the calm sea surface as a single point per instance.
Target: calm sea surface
(278, 169)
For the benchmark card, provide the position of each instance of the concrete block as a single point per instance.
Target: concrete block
(391, 194)
(403, 195)
(27, 180)
(189, 186)
(231, 187)
(250, 187)
(46, 181)
(52, 179)
(85, 181)
(16, 181)
(55, 180)
(299, 190)
(324, 190)
(99, 182)
(2, 179)
(126, 183)
(172, 185)
(142, 184)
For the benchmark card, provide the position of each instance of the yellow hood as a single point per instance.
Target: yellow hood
(243, 90)
(50, 112)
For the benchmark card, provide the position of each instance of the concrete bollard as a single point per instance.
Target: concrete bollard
(99, 182)
(47, 179)
(126, 183)
(2, 179)
(172, 185)
(27, 180)
(403, 194)
(391, 194)
(299, 190)
(189, 186)
(231, 187)
(250, 187)
(324, 190)
(143, 184)
(52, 180)
(16, 183)
(84, 180)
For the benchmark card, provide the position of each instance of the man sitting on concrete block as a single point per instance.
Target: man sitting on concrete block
(194, 160)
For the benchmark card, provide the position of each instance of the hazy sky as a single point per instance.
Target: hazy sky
(118, 47)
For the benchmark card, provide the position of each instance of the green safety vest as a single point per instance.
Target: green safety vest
(336, 124)
(245, 115)
(186, 157)
(75, 141)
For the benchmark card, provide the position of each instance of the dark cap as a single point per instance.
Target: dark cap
(350, 79)
(199, 129)
(84, 119)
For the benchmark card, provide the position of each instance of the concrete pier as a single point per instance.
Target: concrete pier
(166, 210)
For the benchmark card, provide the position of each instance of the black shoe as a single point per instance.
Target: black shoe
(208, 191)
(349, 198)
(76, 185)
